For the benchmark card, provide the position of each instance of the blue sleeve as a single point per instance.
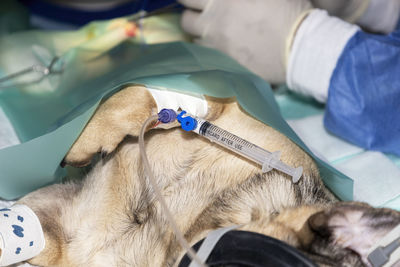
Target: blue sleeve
(363, 104)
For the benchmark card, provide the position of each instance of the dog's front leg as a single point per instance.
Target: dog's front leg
(121, 115)
(50, 204)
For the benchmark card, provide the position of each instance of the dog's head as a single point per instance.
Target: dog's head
(344, 233)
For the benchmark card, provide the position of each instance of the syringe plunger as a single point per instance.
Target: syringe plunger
(275, 163)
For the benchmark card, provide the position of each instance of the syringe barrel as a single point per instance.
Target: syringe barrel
(266, 159)
(251, 151)
(231, 141)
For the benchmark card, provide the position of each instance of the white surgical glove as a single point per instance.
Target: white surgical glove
(257, 33)
(348, 10)
(374, 15)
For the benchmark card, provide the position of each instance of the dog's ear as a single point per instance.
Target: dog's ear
(353, 225)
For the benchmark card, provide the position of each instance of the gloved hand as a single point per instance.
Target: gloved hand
(254, 32)
(348, 10)
(373, 15)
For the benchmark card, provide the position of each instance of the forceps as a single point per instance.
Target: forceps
(43, 72)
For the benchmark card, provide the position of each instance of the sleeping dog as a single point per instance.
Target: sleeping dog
(112, 218)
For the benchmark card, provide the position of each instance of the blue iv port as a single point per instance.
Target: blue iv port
(187, 123)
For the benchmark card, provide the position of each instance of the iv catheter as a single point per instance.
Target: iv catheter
(268, 160)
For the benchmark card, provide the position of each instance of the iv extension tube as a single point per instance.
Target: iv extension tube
(266, 159)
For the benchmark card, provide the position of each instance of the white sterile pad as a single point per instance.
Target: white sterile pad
(194, 104)
(311, 130)
(8, 137)
(316, 48)
(376, 178)
(21, 234)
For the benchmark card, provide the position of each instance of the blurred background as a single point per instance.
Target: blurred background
(16, 15)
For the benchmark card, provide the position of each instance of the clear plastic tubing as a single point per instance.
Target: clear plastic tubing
(266, 159)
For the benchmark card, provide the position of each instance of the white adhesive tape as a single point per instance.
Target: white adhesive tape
(194, 104)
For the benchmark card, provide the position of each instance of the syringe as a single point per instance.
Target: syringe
(266, 159)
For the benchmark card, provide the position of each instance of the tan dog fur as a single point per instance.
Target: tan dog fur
(112, 218)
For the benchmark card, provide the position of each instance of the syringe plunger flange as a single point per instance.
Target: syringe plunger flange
(296, 175)
(274, 156)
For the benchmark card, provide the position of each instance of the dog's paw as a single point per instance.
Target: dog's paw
(121, 115)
